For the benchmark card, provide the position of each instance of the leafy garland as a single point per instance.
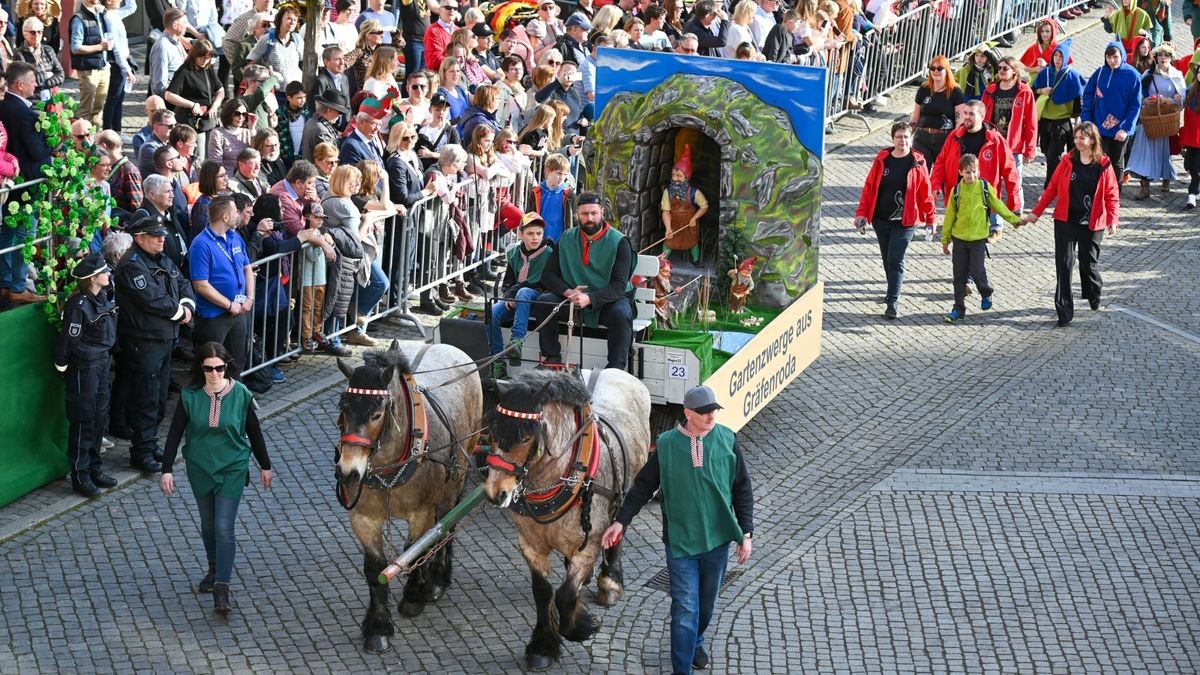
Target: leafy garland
(67, 206)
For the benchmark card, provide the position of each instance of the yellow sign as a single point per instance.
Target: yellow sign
(769, 362)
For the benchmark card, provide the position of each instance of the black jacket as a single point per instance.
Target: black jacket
(709, 44)
(89, 329)
(152, 294)
(25, 142)
(778, 45)
(175, 247)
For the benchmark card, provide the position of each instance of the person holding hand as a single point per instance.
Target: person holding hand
(215, 414)
(707, 502)
(1088, 201)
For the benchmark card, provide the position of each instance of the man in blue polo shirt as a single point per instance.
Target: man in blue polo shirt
(224, 282)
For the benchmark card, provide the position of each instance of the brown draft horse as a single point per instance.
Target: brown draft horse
(402, 454)
(562, 461)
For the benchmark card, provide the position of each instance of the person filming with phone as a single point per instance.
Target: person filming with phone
(566, 87)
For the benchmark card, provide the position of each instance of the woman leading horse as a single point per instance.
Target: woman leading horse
(405, 437)
(562, 459)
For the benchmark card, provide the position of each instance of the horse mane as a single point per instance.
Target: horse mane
(532, 392)
(382, 359)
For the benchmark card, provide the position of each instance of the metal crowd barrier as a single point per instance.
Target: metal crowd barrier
(898, 50)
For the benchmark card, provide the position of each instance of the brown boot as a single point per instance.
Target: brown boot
(1144, 192)
(25, 297)
(445, 295)
(460, 289)
(1166, 186)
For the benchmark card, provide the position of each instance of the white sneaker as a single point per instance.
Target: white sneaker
(1191, 202)
(105, 444)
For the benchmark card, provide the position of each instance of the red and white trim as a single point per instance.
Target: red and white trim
(369, 392)
(517, 414)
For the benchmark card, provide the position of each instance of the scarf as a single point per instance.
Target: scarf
(523, 274)
(678, 190)
(697, 445)
(214, 408)
(587, 241)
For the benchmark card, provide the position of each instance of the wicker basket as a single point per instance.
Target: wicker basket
(1160, 119)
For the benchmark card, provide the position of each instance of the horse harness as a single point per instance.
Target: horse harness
(416, 442)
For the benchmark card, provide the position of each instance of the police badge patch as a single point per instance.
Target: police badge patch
(74, 329)
(140, 281)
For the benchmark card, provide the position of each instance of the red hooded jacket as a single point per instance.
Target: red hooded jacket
(1189, 135)
(1022, 126)
(918, 199)
(1104, 204)
(996, 166)
(1031, 55)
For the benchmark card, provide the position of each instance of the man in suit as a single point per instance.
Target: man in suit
(332, 75)
(32, 151)
(364, 142)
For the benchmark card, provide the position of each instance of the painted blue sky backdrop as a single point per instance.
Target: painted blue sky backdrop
(797, 90)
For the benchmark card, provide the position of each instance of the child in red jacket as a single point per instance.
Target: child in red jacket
(1189, 138)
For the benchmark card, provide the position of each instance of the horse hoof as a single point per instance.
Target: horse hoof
(410, 609)
(538, 662)
(436, 592)
(608, 598)
(377, 644)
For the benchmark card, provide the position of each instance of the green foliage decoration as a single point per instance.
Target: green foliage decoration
(67, 205)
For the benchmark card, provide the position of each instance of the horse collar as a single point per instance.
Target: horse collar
(415, 443)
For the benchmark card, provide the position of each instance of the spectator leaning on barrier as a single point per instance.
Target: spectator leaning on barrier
(1112, 101)
(1062, 88)
(996, 164)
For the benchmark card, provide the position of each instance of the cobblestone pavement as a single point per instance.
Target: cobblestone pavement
(993, 496)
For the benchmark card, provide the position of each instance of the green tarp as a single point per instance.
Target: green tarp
(33, 424)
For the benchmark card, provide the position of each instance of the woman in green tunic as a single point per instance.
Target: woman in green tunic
(216, 413)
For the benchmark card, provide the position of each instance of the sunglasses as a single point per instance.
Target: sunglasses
(408, 138)
(554, 63)
(418, 86)
(239, 113)
(164, 124)
(213, 369)
(81, 137)
(376, 32)
(936, 69)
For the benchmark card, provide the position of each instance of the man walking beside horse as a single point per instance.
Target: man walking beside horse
(707, 502)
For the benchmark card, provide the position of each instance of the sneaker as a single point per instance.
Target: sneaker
(890, 312)
(514, 352)
(994, 236)
(277, 375)
(105, 444)
(700, 660)
(309, 347)
(985, 303)
(955, 315)
(336, 349)
(1191, 202)
(498, 370)
(359, 338)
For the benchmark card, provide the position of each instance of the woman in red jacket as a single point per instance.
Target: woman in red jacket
(1189, 139)
(1009, 106)
(1087, 203)
(896, 199)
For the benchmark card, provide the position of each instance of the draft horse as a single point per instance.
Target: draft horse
(403, 450)
(562, 460)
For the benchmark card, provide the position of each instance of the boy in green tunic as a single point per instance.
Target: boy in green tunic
(707, 502)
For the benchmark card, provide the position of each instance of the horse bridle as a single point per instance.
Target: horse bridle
(415, 443)
(495, 460)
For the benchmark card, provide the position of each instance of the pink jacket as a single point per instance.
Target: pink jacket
(8, 163)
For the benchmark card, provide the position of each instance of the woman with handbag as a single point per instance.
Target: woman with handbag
(1162, 93)
(1059, 89)
(196, 91)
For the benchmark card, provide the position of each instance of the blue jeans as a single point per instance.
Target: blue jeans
(369, 296)
(695, 581)
(518, 314)
(12, 265)
(217, 516)
(414, 55)
(332, 325)
(115, 100)
(893, 243)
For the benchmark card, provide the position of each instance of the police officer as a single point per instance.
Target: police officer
(155, 298)
(89, 332)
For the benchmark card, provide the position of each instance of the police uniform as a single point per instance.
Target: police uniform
(154, 297)
(89, 332)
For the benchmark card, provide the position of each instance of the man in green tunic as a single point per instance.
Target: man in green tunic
(707, 502)
(591, 267)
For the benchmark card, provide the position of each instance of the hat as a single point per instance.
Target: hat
(335, 99)
(701, 399)
(536, 28)
(481, 30)
(532, 218)
(684, 163)
(439, 99)
(89, 267)
(587, 198)
(313, 209)
(747, 265)
(664, 262)
(144, 223)
(579, 20)
(373, 107)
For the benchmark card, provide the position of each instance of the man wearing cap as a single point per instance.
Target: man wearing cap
(223, 280)
(363, 143)
(437, 36)
(89, 332)
(707, 502)
(155, 298)
(521, 287)
(591, 267)
(322, 126)
(574, 36)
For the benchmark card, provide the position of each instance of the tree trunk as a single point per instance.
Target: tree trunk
(312, 50)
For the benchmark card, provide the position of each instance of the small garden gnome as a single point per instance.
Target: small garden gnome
(743, 283)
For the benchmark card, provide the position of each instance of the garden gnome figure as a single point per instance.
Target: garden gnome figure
(662, 293)
(682, 207)
(743, 283)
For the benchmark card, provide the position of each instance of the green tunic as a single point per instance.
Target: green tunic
(218, 459)
(597, 273)
(514, 254)
(698, 501)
